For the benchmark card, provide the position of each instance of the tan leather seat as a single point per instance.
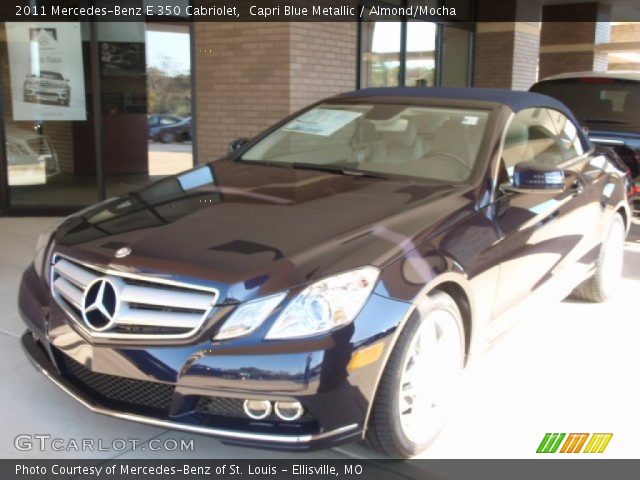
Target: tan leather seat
(402, 146)
(453, 138)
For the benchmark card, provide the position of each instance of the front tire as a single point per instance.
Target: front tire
(602, 285)
(168, 137)
(419, 380)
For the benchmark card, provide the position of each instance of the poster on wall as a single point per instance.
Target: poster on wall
(46, 70)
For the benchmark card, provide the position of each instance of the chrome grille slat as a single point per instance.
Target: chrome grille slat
(75, 274)
(69, 291)
(151, 318)
(169, 298)
(148, 307)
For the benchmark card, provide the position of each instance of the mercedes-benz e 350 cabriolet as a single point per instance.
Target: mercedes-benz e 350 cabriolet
(326, 281)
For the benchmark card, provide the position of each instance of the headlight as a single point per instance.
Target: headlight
(41, 252)
(249, 316)
(325, 305)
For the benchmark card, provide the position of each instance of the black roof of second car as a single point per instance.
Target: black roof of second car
(515, 100)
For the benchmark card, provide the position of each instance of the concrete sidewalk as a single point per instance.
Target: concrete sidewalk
(569, 367)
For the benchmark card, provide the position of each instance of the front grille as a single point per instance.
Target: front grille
(228, 407)
(146, 307)
(140, 393)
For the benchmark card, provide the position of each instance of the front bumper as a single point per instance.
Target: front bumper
(47, 95)
(180, 377)
(39, 359)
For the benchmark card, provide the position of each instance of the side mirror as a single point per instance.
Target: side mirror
(236, 144)
(534, 177)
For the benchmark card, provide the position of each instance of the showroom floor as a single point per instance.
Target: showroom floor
(568, 367)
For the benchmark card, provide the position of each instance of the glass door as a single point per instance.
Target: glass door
(91, 110)
(46, 83)
(145, 82)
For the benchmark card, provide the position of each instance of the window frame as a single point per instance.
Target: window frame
(439, 43)
(589, 149)
(94, 115)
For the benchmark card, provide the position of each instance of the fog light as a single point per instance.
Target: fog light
(257, 409)
(289, 411)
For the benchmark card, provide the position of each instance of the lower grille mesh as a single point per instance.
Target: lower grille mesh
(229, 407)
(111, 387)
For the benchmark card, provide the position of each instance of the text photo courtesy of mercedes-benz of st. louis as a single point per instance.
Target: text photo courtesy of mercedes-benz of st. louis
(327, 280)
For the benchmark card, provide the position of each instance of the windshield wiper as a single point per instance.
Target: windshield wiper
(605, 120)
(330, 167)
(340, 169)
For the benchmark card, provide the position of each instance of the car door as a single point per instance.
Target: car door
(543, 234)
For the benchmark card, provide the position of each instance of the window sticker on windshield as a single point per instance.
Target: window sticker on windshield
(470, 120)
(321, 121)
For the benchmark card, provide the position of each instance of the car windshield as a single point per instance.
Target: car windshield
(597, 101)
(432, 143)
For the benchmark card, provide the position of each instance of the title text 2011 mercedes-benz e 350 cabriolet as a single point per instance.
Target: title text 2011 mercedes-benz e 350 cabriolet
(326, 281)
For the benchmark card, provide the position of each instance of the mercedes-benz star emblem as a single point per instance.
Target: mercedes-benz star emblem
(123, 252)
(100, 304)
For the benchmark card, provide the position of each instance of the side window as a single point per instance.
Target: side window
(533, 135)
(568, 134)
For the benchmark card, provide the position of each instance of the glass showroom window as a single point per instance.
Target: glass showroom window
(455, 64)
(380, 64)
(91, 110)
(420, 70)
(415, 54)
(146, 102)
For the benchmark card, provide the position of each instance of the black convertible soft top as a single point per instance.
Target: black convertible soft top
(513, 99)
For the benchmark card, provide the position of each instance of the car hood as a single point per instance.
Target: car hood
(47, 82)
(21, 134)
(253, 229)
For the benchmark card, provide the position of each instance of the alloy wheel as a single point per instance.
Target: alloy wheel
(430, 376)
(612, 260)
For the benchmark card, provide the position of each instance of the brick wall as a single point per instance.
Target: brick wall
(242, 81)
(569, 37)
(629, 34)
(323, 60)
(493, 66)
(506, 55)
(525, 58)
(250, 75)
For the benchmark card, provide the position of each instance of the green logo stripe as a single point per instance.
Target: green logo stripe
(550, 443)
(543, 443)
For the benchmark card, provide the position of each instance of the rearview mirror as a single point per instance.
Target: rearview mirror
(236, 144)
(534, 177)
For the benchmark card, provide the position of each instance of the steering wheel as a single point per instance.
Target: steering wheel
(447, 154)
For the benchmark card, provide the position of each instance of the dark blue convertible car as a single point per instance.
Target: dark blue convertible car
(327, 280)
